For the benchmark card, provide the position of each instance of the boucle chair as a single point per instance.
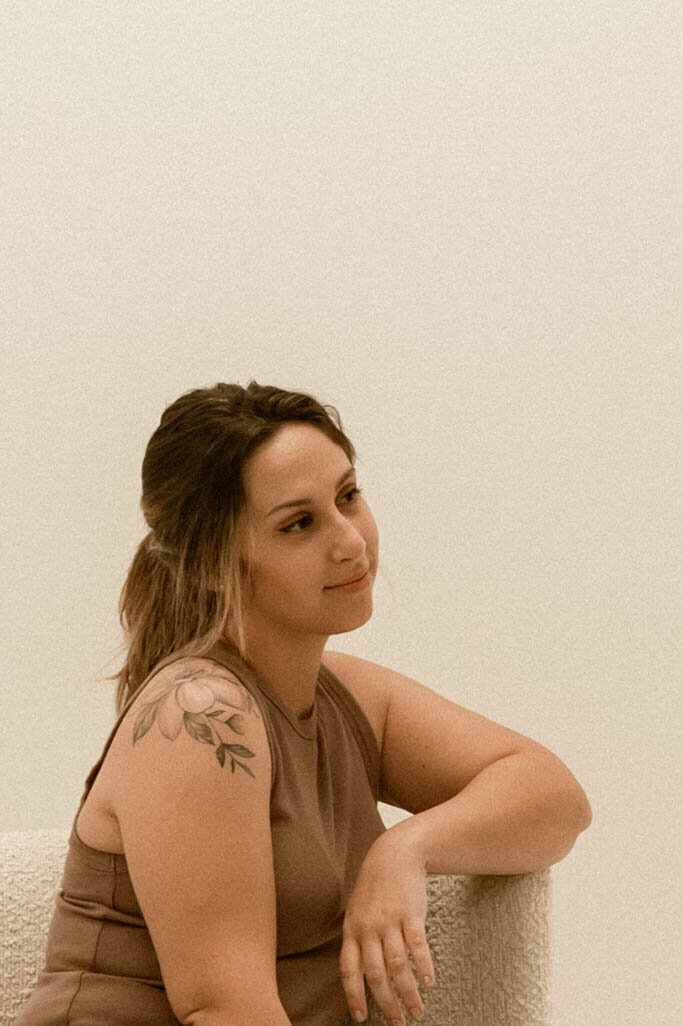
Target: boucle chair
(489, 937)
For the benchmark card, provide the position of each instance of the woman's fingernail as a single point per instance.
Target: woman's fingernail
(428, 980)
(358, 1016)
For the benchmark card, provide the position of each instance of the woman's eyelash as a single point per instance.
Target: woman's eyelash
(287, 530)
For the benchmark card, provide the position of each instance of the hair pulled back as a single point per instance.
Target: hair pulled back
(185, 588)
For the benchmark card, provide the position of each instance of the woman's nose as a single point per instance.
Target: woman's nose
(348, 540)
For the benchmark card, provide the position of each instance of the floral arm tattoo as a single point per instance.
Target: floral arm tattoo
(201, 701)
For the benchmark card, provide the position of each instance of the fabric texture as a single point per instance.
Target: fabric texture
(323, 810)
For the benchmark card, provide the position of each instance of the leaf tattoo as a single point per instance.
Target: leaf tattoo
(188, 702)
(233, 750)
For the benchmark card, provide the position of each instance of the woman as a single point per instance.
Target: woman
(227, 863)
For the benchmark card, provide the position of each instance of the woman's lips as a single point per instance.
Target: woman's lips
(355, 585)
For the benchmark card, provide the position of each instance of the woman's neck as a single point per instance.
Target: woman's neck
(289, 670)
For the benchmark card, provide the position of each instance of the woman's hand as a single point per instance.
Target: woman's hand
(385, 919)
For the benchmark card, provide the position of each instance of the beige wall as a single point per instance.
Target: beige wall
(454, 221)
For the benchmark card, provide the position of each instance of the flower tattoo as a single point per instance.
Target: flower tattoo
(200, 701)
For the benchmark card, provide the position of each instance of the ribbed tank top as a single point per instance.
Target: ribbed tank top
(100, 964)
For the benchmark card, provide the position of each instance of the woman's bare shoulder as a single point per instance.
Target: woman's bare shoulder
(195, 684)
(194, 701)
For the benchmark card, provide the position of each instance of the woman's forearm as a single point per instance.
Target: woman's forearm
(521, 814)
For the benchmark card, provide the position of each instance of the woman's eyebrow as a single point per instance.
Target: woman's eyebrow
(307, 501)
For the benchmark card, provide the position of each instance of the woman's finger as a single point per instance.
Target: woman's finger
(416, 943)
(351, 973)
(377, 975)
(401, 973)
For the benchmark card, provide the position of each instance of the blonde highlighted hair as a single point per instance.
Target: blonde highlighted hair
(185, 588)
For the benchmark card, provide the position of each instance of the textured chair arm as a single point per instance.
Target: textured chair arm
(490, 944)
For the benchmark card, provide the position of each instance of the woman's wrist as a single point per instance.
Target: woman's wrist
(408, 839)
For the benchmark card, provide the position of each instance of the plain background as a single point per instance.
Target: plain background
(457, 223)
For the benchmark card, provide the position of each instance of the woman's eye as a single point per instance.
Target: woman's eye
(290, 529)
(354, 492)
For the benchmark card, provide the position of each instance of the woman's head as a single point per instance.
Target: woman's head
(217, 459)
(307, 531)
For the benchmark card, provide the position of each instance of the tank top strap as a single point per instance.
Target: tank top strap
(358, 723)
(232, 661)
(341, 698)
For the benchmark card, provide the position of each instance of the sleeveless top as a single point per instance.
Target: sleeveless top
(100, 964)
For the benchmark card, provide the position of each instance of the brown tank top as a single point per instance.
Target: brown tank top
(100, 963)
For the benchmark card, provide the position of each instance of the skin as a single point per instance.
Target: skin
(298, 553)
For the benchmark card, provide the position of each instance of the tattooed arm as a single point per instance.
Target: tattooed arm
(193, 807)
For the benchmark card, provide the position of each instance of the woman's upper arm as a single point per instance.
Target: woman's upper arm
(430, 747)
(433, 747)
(194, 813)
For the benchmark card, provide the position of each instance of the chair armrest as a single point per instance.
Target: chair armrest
(31, 867)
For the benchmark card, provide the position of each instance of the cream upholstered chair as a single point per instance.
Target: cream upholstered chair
(489, 937)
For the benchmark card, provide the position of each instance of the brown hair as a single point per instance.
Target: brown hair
(185, 588)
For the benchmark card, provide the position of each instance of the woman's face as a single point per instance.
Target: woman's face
(301, 550)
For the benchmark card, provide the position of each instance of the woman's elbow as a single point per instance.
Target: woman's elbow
(570, 797)
(577, 819)
(587, 814)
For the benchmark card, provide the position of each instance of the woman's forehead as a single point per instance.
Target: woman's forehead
(299, 456)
